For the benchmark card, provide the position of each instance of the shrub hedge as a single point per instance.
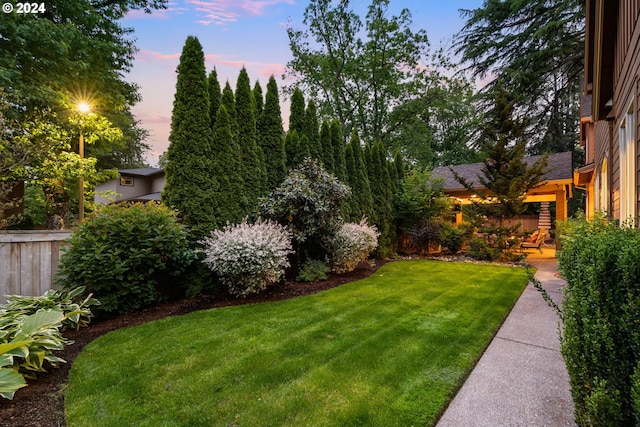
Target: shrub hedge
(130, 256)
(600, 341)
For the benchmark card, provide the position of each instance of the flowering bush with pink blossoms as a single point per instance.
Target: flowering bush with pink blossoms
(352, 244)
(248, 257)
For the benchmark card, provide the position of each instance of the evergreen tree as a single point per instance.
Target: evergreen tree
(359, 182)
(303, 150)
(190, 178)
(354, 210)
(505, 177)
(229, 101)
(297, 116)
(311, 130)
(230, 198)
(259, 100)
(535, 49)
(292, 148)
(254, 171)
(398, 162)
(215, 96)
(327, 148)
(271, 137)
(393, 176)
(382, 193)
(337, 141)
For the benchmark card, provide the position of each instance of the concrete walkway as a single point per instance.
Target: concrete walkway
(521, 379)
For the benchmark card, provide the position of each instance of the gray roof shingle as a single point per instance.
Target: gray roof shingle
(560, 167)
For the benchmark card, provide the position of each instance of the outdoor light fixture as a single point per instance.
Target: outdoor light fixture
(83, 108)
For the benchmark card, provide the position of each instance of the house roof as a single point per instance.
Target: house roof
(141, 171)
(151, 197)
(559, 167)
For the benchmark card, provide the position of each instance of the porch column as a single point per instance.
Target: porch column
(561, 205)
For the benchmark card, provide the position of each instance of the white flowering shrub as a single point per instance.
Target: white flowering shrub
(352, 244)
(248, 257)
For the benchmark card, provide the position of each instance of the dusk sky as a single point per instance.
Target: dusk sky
(237, 33)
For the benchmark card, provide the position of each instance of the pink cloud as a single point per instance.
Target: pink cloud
(147, 55)
(172, 9)
(220, 12)
(153, 118)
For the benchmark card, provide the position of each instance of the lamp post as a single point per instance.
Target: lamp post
(83, 108)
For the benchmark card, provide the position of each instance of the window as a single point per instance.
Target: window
(126, 181)
(627, 166)
(602, 188)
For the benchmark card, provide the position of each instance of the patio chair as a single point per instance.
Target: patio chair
(528, 244)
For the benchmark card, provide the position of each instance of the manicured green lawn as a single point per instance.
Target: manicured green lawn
(389, 350)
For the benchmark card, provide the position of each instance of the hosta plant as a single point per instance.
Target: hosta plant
(30, 332)
(26, 342)
(352, 244)
(66, 301)
(248, 257)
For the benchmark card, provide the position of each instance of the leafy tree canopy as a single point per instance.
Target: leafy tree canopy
(74, 51)
(358, 71)
(536, 48)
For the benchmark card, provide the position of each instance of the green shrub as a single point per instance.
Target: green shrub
(130, 256)
(635, 393)
(601, 335)
(308, 204)
(481, 250)
(313, 270)
(453, 237)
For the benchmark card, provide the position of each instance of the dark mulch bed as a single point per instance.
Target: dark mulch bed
(41, 403)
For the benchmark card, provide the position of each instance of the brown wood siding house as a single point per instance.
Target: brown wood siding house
(610, 122)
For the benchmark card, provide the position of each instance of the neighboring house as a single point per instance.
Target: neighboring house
(135, 185)
(557, 186)
(610, 124)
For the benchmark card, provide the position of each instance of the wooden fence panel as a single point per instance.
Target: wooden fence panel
(29, 261)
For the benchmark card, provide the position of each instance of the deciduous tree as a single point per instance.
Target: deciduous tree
(358, 71)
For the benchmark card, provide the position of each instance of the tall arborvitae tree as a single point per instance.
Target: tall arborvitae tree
(381, 191)
(304, 149)
(259, 100)
(229, 101)
(191, 180)
(353, 209)
(215, 95)
(337, 141)
(398, 162)
(327, 149)
(297, 116)
(359, 182)
(228, 171)
(255, 173)
(297, 148)
(271, 137)
(312, 130)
